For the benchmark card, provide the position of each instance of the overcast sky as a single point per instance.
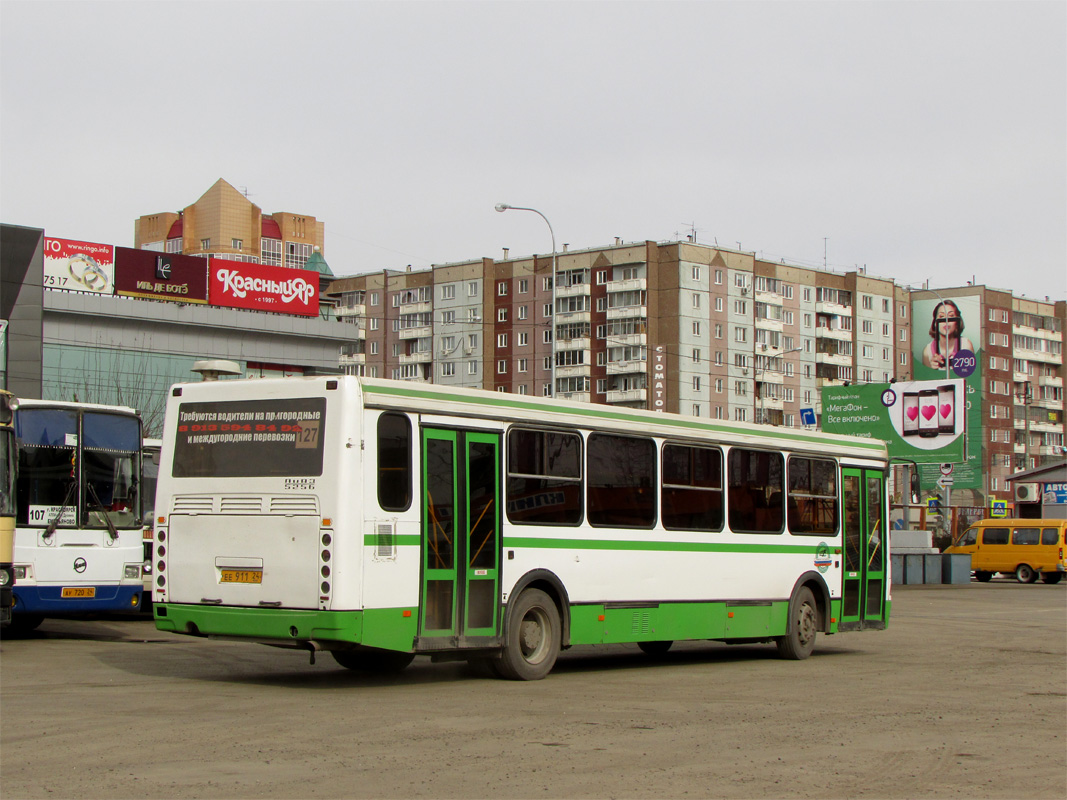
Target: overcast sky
(924, 140)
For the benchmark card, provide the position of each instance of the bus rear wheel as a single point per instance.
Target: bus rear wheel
(380, 661)
(982, 576)
(799, 640)
(533, 638)
(1024, 573)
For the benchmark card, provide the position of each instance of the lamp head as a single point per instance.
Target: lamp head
(502, 206)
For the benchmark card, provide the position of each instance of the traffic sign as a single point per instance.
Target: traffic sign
(945, 481)
(999, 508)
(807, 416)
(946, 469)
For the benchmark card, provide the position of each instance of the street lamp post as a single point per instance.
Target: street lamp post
(505, 207)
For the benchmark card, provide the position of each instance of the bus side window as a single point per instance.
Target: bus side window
(394, 462)
(995, 536)
(756, 482)
(1026, 536)
(812, 505)
(1049, 536)
(969, 538)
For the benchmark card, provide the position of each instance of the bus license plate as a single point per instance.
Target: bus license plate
(78, 591)
(242, 576)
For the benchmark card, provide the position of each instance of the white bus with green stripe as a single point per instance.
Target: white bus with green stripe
(380, 520)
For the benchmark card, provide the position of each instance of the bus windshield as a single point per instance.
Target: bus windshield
(50, 452)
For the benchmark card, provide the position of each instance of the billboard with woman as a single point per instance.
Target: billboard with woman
(946, 346)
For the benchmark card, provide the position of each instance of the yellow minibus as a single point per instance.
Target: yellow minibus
(1026, 548)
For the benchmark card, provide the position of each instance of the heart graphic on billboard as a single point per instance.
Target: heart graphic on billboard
(929, 411)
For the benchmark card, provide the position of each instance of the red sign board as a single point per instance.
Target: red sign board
(77, 266)
(258, 287)
(160, 276)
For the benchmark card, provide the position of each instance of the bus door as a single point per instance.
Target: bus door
(460, 535)
(866, 538)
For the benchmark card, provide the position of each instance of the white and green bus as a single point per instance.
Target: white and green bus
(380, 520)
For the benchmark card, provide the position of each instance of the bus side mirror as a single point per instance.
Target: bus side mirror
(916, 487)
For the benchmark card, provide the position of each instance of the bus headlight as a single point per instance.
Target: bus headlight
(5, 577)
(132, 571)
(22, 572)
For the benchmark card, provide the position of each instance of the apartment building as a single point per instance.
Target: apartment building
(677, 326)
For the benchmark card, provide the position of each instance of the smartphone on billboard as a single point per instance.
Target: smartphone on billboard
(946, 409)
(928, 425)
(910, 410)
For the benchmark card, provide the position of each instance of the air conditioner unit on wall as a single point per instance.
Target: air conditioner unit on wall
(1027, 493)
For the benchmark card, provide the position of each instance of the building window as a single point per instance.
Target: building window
(205, 244)
(297, 254)
(502, 340)
(718, 277)
(501, 315)
(501, 288)
(472, 289)
(448, 369)
(472, 367)
(524, 286)
(448, 291)
(237, 244)
(502, 366)
(523, 339)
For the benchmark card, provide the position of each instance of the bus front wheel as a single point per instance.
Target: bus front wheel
(982, 576)
(533, 638)
(799, 640)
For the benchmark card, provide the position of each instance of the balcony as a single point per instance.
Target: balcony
(769, 403)
(631, 285)
(416, 308)
(578, 397)
(833, 333)
(573, 371)
(770, 376)
(833, 358)
(577, 290)
(417, 358)
(1050, 380)
(628, 312)
(352, 358)
(821, 383)
(626, 367)
(416, 333)
(571, 317)
(627, 395)
(628, 340)
(765, 324)
(570, 345)
(836, 309)
(351, 311)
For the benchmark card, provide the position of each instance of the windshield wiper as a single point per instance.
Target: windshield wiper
(50, 531)
(111, 530)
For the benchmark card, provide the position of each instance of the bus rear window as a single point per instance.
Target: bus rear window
(250, 438)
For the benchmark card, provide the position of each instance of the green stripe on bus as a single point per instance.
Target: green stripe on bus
(606, 413)
(657, 546)
(646, 545)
